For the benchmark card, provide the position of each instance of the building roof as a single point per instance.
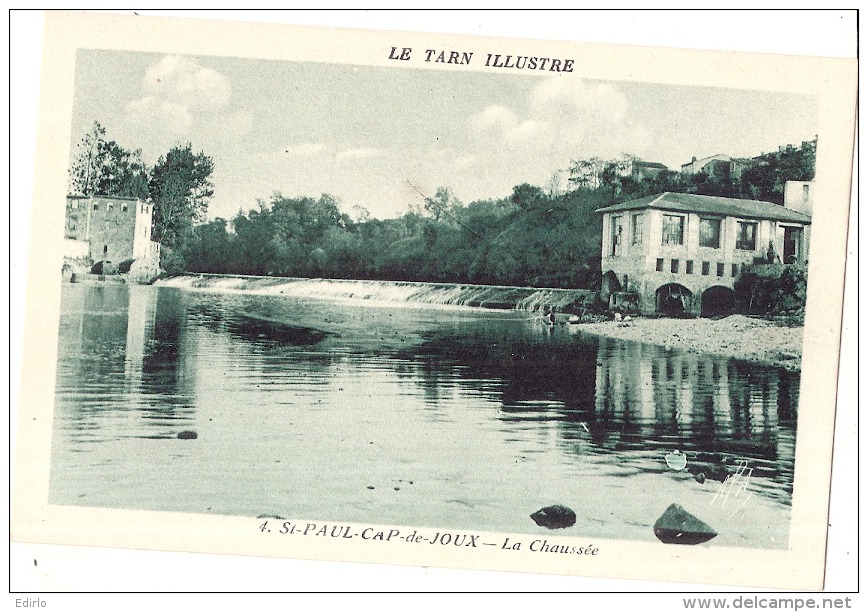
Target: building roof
(73, 196)
(705, 160)
(648, 164)
(713, 205)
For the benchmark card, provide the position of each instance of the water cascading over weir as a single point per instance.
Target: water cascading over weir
(453, 294)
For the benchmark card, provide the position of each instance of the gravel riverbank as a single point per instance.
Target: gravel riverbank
(736, 336)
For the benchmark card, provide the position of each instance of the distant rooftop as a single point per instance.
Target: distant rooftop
(73, 196)
(714, 205)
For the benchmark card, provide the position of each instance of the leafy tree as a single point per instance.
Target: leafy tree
(766, 177)
(442, 204)
(103, 167)
(180, 188)
(527, 196)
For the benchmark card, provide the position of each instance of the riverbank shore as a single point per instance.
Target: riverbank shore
(736, 336)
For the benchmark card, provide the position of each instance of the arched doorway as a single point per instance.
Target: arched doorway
(609, 285)
(674, 300)
(717, 301)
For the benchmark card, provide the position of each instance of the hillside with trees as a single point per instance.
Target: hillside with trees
(530, 237)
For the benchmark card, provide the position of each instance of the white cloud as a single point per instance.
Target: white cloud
(526, 129)
(579, 100)
(304, 149)
(152, 111)
(465, 161)
(183, 81)
(178, 94)
(358, 153)
(506, 123)
(495, 115)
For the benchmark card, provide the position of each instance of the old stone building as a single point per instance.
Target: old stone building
(676, 252)
(112, 231)
(719, 167)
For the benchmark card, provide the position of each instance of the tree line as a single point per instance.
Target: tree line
(179, 186)
(527, 238)
(530, 237)
(761, 178)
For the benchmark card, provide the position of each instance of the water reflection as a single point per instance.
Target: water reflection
(262, 376)
(631, 400)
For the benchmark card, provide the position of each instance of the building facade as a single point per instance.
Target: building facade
(115, 230)
(676, 252)
(640, 170)
(719, 167)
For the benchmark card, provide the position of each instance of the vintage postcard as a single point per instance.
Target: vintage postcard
(434, 300)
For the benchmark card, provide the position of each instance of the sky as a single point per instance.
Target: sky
(383, 138)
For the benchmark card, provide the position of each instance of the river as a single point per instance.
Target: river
(403, 414)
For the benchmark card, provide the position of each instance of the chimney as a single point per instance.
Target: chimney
(799, 196)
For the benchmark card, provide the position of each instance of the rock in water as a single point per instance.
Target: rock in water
(678, 526)
(188, 435)
(554, 517)
(676, 460)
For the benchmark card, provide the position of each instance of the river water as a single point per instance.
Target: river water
(425, 416)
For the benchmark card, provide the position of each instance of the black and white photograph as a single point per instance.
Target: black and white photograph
(435, 300)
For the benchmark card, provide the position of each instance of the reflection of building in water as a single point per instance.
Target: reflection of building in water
(140, 329)
(688, 393)
(112, 336)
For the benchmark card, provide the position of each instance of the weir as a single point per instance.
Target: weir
(454, 294)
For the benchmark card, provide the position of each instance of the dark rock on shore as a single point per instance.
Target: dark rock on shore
(554, 517)
(677, 526)
(188, 435)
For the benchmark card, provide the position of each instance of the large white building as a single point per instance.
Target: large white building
(682, 252)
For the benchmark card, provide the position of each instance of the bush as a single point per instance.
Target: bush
(784, 295)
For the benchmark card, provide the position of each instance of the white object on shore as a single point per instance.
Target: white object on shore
(676, 460)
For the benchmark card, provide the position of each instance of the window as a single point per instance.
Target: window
(734, 270)
(674, 266)
(110, 206)
(709, 233)
(689, 266)
(660, 264)
(105, 249)
(706, 267)
(746, 236)
(96, 206)
(124, 207)
(637, 229)
(720, 269)
(673, 229)
(616, 236)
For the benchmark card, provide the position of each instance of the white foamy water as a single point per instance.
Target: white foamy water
(482, 296)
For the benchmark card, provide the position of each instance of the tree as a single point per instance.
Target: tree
(527, 196)
(596, 172)
(103, 167)
(180, 188)
(444, 202)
